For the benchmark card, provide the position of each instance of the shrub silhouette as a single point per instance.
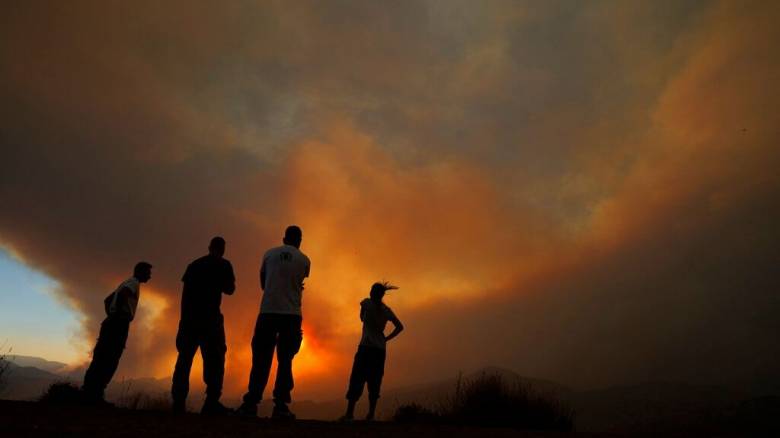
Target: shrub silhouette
(61, 393)
(5, 366)
(67, 393)
(488, 400)
(138, 400)
(415, 413)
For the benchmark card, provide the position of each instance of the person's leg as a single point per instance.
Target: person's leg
(105, 358)
(290, 338)
(91, 386)
(186, 345)
(376, 370)
(263, 345)
(350, 414)
(371, 408)
(120, 332)
(213, 348)
(357, 379)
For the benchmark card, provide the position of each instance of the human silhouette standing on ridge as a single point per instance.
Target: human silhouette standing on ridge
(120, 310)
(278, 325)
(369, 365)
(202, 325)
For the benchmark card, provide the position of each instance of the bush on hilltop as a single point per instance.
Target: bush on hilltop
(488, 400)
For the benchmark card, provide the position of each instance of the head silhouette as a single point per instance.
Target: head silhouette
(142, 271)
(293, 236)
(379, 289)
(217, 247)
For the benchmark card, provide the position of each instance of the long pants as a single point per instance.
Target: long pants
(367, 369)
(280, 332)
(105, 357)
(209, 335)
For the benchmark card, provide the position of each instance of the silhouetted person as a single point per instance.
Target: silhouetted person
(279, 324)
(120, 310)
(202, 325)
(369, 365)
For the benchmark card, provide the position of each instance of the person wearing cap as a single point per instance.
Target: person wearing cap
(278, 325)
(369, 365)
(202, 326)
(120, 306)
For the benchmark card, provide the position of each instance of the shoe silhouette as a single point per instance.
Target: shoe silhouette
(98, 402)
(179, 407)
(215, 408)
(247, 410)
(282, 412)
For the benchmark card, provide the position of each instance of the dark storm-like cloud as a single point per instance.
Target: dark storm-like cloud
(553, 184)
(677, 282)
(110, 163)
(685, 302)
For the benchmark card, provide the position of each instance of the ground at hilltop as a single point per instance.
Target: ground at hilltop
(30, 419)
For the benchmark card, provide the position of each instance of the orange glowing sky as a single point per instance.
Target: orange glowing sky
(580, 191)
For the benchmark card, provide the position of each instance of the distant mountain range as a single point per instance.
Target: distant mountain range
(37, 362)
(28, 378)
(651, 406)
(26, 382)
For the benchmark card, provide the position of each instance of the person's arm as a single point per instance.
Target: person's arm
(398, 328)
(306, 270)
(186, 276)
(125, 293)
(262, 275)
(396, 322)
(123, 297)
(230, 281)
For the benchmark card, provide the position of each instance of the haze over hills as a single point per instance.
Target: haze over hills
(654, 405)
(37, 362)
(25, 382)
(28, 377)
(429, 394)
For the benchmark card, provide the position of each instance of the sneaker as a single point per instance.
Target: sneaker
(179, 407)
(105, 404)
(346, 419)
(96, 400)
(282, 412)
(215, 408)
(248, 410)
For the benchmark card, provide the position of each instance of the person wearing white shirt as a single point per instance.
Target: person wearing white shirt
(120, 308)
(278, 326)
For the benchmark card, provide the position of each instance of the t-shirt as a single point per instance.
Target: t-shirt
(125, 305)
(204, 282)
(285, 267)
(374, 316)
